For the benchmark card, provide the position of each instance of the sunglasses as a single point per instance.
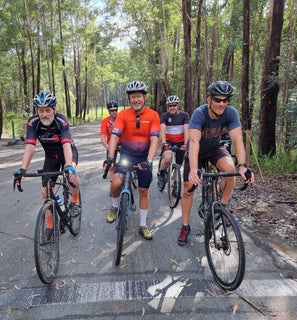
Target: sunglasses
(218, 100)
(172, 105)
(137, 122)
(113, 110)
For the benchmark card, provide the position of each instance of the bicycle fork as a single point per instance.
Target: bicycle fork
(125, 190)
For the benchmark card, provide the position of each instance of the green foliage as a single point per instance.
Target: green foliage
(11, 119)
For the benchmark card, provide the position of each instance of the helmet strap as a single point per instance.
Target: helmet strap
(213, 111)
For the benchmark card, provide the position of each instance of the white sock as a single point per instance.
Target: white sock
(115, 201)
(142, 215)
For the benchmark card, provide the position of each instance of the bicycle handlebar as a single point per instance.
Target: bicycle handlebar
(248, 175)
(18, 177)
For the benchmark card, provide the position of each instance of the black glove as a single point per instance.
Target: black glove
(109, 161)
(146, 165)
(22, 172)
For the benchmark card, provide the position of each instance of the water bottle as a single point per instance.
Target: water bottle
(60, 202)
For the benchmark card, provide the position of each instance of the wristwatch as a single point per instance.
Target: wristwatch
(241, 165)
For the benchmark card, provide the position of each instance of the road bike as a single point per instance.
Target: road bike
(126, 203)
(172, 176)
(47, 246)
(223, 241)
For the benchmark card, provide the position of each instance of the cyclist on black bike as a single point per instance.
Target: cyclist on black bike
(107, 127)
(52, 130)
(206, 126)
(139, 127)
(173, 131)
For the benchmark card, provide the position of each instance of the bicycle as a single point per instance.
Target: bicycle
(172, 176)
(223, 241)
(126, 203)
(47, 251)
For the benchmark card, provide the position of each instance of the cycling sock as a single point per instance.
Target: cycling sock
(142, 216)
(49, 222)
(75, 197)
(185, 227)
(115, 201)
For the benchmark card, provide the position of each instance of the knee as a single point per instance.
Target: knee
(187, 195)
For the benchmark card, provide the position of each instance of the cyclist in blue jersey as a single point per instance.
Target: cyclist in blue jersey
(207, 124)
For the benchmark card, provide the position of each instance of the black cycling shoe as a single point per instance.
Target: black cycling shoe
(48, 234)
(184, 232)
(161, 182)
(75, 209)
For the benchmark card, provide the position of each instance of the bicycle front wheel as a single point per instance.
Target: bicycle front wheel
(123, 211)
(75, 221)
(174, 185)
(225, 254)
(46, 245)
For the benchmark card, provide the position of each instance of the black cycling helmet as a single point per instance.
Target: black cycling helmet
(172, 99)
(220, 88)
(136, 86)
(111, 104)
(44, 100)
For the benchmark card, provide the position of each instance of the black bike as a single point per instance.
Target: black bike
(223, 242)
(47, 246)
(126, 203)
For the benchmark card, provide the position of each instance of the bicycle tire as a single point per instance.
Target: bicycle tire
(159, 169)
(174, 185)
(226, 263)
(75, 222)
(121, 227)
(46, 253)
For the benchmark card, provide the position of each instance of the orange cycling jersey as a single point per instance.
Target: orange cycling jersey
(106, 128)
(136, 141)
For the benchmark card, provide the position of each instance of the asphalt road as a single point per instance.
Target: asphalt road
(156, 279)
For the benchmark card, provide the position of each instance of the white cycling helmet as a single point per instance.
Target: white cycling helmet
(136, 86)
(172, 99)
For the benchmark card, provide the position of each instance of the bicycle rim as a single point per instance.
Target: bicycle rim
(75, 222)
(121, 227)
(227, 263)
(46, 253)
(174, 186)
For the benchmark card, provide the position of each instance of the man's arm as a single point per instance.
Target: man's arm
(194, 140)
(236, 138)
(163, 132)
(153, 147)
(113, 142)
(104, 141)
(186, 132)
(28, 154)
(67, 154)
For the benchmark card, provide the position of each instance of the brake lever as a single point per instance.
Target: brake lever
(66, 171)
(199, 172)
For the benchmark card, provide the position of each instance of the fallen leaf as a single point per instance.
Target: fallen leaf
(80, 238)
(1, 254)
(57, 286)
(262, 304)
(211, 293)
(73, 260)
(17, 287)
(116, 307)
(67, 272)
(93, 264)
(156, 269)
(64, 281)
(26, 225)
(125, 265)
(91, 240)
(174, 261)
(91, 224)
(108, 244)
(4, 288)
(189, 284)
(235, 308)
(249, 253)
(73, 281)
(103, 250)
(143, 311)
(19, 238)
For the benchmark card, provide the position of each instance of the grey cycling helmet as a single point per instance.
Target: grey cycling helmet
(136, 86)
(44, 100)
(111, 104)
(172, 99)
(220, 88)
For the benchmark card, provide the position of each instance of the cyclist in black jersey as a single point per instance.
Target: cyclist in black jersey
(52, 130)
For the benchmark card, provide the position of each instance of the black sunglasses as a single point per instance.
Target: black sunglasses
(218, 100)
(113, 110)
(137, 122)
(172, 105)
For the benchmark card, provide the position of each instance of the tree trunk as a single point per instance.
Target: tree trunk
(1, 115)
(186, 8)
(52, 52)
(196, 91)
(206, 63)
(270, 85)
(47, 52)
(66, 87)
(287, 76)
(246, 116)
(85, 103)
(25, 81)
(38, 49)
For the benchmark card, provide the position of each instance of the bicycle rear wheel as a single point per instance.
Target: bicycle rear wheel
(75, 221)
(174, 185)
(46, 250)
(121, 227)
(227, 259)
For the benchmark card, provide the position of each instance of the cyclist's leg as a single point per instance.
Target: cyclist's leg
(223, 161)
